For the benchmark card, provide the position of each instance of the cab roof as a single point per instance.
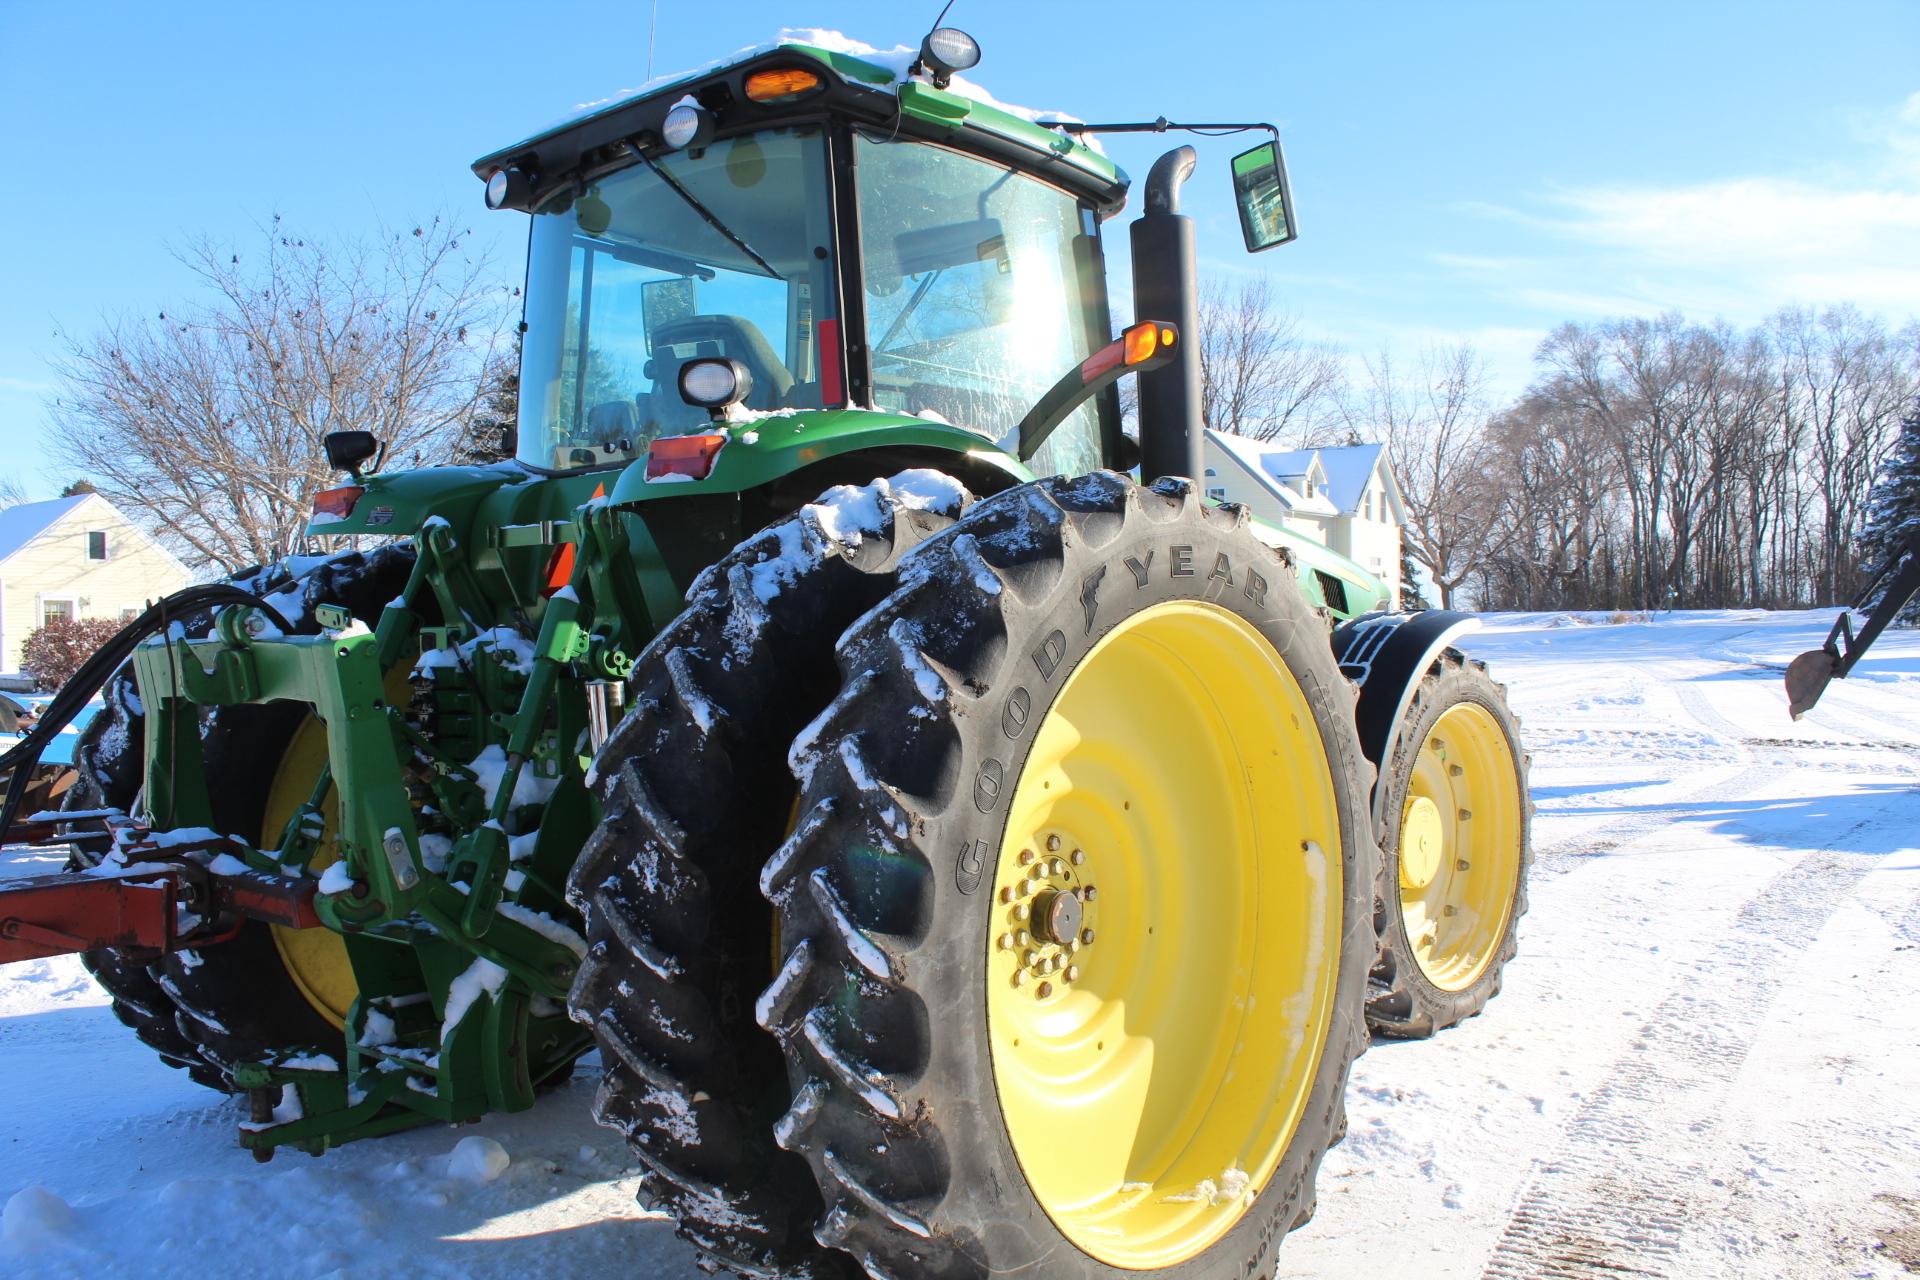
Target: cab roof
(860, 82)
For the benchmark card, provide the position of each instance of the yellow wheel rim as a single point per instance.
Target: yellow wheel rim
(1460, 846)
(316, 959)
(1164, 936)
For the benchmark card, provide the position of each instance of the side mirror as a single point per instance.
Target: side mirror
(1266, 202)
(346, 450)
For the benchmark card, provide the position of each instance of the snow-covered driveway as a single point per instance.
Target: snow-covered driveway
(1705, 1062)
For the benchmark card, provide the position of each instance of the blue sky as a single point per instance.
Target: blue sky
(1466, 170)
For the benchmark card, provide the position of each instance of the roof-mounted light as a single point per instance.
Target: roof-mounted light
(947, 50)
(788, 84)
(508, 188)
(687, 125)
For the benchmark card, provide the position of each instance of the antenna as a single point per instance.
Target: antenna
(653, 24)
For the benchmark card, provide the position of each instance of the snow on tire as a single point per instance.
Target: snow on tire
(695, 795)
(887, 896)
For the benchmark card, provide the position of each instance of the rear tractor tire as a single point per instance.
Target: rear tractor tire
(266, 989)
(1076, 919)
(1457, 844)
(695, 795)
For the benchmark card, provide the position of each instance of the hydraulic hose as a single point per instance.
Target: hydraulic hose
(77, 692)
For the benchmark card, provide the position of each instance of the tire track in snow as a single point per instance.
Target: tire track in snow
(1618, 1193)
(1563, 855)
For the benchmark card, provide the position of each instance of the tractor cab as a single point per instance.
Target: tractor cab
(799, 232)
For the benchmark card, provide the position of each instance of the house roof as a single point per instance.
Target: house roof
(1343, 472)
(1253, 460)
(1348, 470)
(21, 524)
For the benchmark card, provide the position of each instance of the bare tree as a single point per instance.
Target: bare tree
(1432, 424)
(1259, 377)
(11, 494)
(208, 419)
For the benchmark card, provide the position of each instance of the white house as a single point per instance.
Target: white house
(1346, 498)
(76, 557)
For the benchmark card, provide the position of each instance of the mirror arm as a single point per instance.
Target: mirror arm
(1163, 125)
(1084, 381)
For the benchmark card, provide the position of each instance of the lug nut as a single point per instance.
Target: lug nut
(1079, 856)
(1461, 864)
(1057, 868)
(1466, 815)
(1019, 976)
(1073, 973)
(1020, 937)
(1019, 911)
(1006, 893)
(1086, 936)
(1091, 891)
(1026, 857)
(1053, 843)
(1044, 990)
(1006, 942)
(1455, 770)
(1074, 946)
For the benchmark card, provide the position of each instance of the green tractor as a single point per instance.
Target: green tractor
(967, 860)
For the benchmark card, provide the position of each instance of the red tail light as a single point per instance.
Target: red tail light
(690, 456)
(333, 505)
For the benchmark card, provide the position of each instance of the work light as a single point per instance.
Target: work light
(687, 125)
(947, 50)
(714, 383)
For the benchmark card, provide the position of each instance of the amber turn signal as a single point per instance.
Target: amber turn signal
(781, 86)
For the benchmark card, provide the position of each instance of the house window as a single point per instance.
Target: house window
(1217, 493)
(56, 607)
(129, 613)
(96, 544)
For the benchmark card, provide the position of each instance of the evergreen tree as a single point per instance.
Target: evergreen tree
(1411, 601)
(489, 434)
(1893, 509)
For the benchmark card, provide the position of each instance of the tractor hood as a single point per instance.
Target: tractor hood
(859, 82)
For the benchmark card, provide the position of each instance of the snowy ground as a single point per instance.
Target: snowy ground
(1703, 1065)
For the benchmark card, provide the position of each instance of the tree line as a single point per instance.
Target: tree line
(1650, 463)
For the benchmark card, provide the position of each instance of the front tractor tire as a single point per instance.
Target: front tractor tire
(1456, 831)
(1076, 919)
(695, 795)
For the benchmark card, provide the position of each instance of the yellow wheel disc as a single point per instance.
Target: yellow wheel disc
(316, 959)
(1460, 846)
(1164, 936)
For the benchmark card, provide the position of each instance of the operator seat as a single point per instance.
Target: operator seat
(735, 337)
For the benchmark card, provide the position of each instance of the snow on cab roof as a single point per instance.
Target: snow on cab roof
(21, 524)
(891, 63)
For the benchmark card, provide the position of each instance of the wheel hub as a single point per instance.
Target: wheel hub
(1045, 920)
(1422, 842)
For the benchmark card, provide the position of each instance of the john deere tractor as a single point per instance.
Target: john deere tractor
(967, 859)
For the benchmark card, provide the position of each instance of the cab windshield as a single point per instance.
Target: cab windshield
(983, 287)
(726, 251)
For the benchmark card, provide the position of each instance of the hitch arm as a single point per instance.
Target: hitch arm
(1895, 582)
